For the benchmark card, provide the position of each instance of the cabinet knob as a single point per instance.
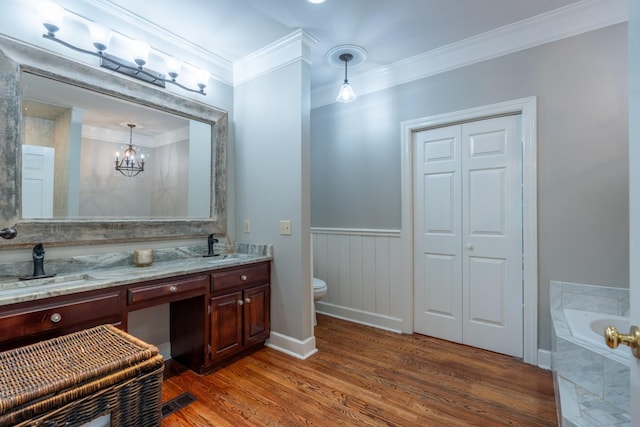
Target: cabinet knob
(56, 317)
(243, 277)
(247, 300)
(240, 302)
(173, 288)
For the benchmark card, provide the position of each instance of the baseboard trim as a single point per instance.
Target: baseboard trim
(292, 346)
(363, 317)
(544, 359)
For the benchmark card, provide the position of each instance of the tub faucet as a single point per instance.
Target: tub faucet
(210, 242)
(38, 260)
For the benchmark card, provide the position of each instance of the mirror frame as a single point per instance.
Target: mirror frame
(17, 58)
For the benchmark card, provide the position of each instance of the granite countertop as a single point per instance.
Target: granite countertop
(13, 290)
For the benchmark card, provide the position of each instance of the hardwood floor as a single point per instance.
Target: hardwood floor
(362, 376)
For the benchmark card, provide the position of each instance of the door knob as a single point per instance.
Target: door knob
(614, 338)
(469, 246)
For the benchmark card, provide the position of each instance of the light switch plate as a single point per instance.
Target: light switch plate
(247, 226)
(285, 227)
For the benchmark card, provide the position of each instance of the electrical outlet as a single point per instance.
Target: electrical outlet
(247, 226)
(285, 227)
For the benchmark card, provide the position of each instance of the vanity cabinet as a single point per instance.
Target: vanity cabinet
(240, 311)
(25, 323)
(215, 315)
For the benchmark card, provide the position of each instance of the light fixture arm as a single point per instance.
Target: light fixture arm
(131, 71)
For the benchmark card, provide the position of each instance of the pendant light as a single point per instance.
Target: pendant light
(346, 91)
(346, 56)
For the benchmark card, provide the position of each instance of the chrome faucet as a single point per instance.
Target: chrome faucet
(38, 260)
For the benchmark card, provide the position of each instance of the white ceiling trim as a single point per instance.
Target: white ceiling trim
(578, 18)
(220, 69)
(293, 47)
(122, 137)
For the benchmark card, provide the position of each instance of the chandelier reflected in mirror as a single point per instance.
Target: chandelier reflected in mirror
(131, 164)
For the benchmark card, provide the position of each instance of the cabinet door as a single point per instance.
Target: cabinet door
(257, 304)
(226, 325)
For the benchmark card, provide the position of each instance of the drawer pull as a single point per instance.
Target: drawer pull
(56, 317)
(173, 288)
(243, 277)
(247, 300)
(240, 302)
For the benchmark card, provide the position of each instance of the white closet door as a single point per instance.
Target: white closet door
(468, 234)
(492, 235)
(438, 234)
(37, 181)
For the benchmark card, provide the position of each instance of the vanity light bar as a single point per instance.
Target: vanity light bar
(113, 63)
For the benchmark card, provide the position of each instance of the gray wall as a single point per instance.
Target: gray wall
(272, 184)
(581, 85)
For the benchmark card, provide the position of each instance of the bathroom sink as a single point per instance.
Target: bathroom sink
(61, 281)
(55, 279)
(225, 258)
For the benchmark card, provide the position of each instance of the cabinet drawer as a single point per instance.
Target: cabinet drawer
(245, 275)
(169, 290)
(91, 311)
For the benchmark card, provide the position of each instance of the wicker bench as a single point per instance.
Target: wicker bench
(76, 378)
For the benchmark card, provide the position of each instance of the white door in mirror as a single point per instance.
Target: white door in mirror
(37, 181)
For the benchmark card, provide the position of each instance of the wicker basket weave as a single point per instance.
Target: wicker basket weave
(73, 379)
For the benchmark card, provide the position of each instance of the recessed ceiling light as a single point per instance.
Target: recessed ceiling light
(316, 1)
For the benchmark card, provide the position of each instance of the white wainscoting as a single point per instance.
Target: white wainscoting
(367, 277)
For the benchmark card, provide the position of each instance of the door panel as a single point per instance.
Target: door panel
(468, 234)
(486, 202)
(486, 288)
(256, 314)
(226, 325)
(438, 298)
(492, 234)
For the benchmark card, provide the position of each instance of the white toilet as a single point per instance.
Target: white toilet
(319, 291)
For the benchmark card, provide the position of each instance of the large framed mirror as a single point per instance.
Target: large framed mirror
(63, 123)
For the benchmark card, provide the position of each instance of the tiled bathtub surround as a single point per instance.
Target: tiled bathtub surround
(592, 388)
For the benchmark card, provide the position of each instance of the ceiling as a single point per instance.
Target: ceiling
(230, 30)
(388, 30)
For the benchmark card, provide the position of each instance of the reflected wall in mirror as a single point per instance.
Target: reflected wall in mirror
(182, 193)
(70, 140)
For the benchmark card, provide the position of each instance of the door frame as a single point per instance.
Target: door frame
(527, 108)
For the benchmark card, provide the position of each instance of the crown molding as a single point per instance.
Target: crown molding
(122, 137)
(568, 21)
(287, 50)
